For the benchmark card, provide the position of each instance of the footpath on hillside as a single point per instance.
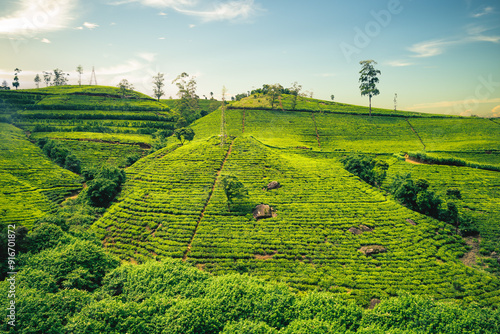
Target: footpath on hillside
(184, 257)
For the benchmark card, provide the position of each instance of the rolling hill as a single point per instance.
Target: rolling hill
(330, 230)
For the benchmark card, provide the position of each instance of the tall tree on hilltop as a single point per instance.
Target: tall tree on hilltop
(37, 81)
(16, 78)
(79, 69)
(368, 80)
(60, 78)
(47, 76)
(273, 92)
(158, 84)
(295, 91)
(187, 105)
(125, 86)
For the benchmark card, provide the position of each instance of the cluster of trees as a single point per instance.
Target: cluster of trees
(274, 91)
(414, 194)
(233, 189)
(125, 86)
(59, 155)
(103, 184)
(370, 170)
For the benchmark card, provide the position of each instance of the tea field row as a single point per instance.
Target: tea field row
(31, 185)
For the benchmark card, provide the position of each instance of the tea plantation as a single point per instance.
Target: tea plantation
(196, 260)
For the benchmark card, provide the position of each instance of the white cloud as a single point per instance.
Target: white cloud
(399, 63)
(32, 17)
(129, 66)
(231, 10)
(482, 12)
(429, 48)
(436, 47)
(162, 14)
(192, 26)
(214, 11)
(89, 25)
(45, 40)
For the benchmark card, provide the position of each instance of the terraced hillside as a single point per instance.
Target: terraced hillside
(31, 185)
(96, 123)
(331, 230)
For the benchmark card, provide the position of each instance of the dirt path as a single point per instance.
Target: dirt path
(281, 105)
(469, 259)
(411, 161)
(75, 194)
(416, 133)
(316, 129)
(184, 257)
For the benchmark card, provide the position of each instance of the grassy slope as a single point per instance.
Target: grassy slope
(31, 184)
(308, 244)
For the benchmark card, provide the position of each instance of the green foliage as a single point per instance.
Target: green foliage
(248, 327)
(423, 315)
(233, 189)
(103, 185)
(131, 159)
(59, 155)
(31, 184)
(451, 160)
(168, 278)
(184, 134)
(80, 264)
(368, 79)
(125, 87)
(115, 317)
(369, 170)
(187, 105)
(454, 192)
(313, 326)
(41, 312)
(328, 308)
(44, 236)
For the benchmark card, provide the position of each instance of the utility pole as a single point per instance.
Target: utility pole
(395, 101)
(223, 118)
(93, 77)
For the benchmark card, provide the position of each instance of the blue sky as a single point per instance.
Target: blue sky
(438, 56)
